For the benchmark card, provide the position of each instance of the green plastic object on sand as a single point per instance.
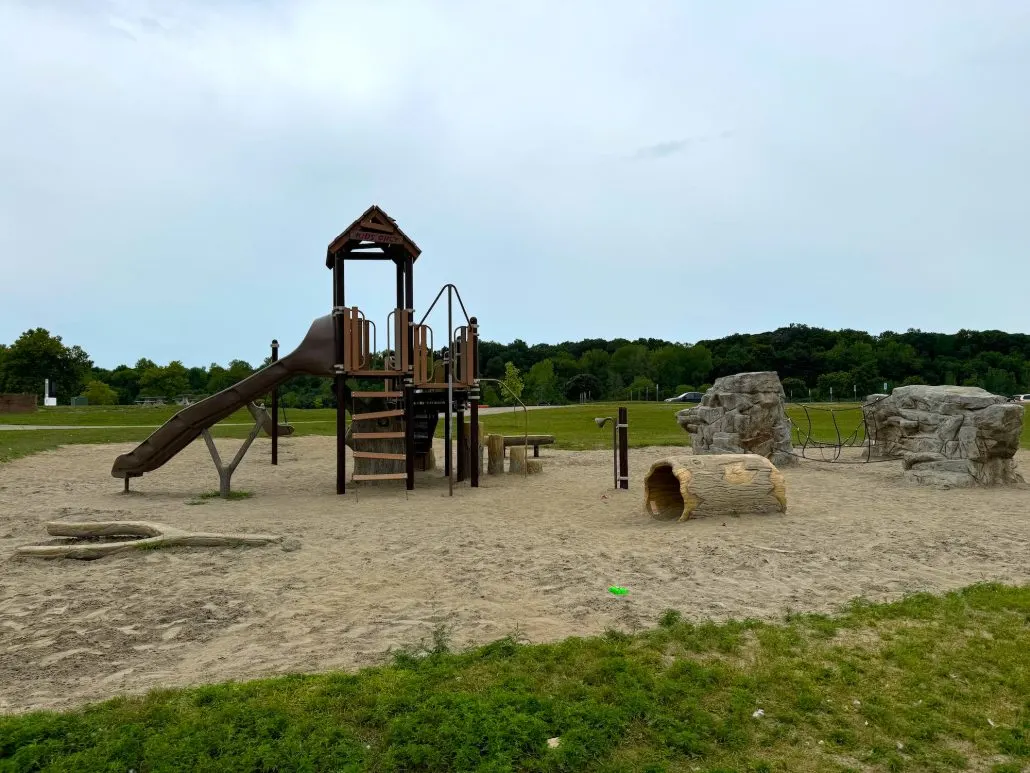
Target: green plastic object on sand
(617, 590)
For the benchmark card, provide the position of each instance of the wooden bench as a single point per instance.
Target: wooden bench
(530, 440)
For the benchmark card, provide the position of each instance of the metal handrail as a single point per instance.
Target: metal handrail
(437, 298)
(525, 413)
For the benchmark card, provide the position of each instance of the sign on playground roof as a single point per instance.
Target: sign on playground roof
(373, 236)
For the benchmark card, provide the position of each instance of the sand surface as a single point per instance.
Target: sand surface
(379, 569)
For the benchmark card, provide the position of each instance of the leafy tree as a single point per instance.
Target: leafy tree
(542, 382)
(239, 370)
(513, 384)
(494, 368)
(640, 386)
(169, 381)
(838, 385)
(595, 362)
(896, 359)
(630, 361)
(565, 366)
(583, 383)
(99, 393)
(794, 388)
(197, 378)
(36, 356)
(125, 381)
(1000, 382)
(218, 379)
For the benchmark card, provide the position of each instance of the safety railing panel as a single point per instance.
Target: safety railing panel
(357, 339)
(422, 371)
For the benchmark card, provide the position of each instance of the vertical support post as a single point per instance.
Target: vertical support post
(409, 436)
(623, 426)
(474, 337)
(463, 451)
(409, 303)
(615, 454)
(400, 283)
(450, 388)
(275, 408)
(341, 433)
(341, 377)
(474, 440)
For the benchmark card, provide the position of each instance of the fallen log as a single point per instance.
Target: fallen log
(148, 535)
(713, 484)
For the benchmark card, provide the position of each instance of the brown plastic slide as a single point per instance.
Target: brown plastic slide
(314, 357)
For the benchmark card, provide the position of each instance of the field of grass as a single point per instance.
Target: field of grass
(573, 426)
(927, 683)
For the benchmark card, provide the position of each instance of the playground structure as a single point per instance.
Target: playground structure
(392, 427)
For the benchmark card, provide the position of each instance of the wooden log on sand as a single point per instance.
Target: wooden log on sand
(495, 454)
(534, 466)
(517, 460)
(151, 535)
(713, 484)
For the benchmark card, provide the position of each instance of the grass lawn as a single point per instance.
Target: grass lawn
(573, 426)
(927, 683)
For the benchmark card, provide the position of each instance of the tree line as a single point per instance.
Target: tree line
(813, 364)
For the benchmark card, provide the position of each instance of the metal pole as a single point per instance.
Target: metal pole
(623, 427)
(615, 454)
(275, 408)
(340, 383)
(450, 393)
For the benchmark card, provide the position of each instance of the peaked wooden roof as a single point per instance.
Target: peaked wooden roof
(374, 228)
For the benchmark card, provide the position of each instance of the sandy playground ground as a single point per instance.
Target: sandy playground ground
(366, 573)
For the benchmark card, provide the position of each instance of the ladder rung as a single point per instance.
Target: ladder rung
(376, 394)
(376, 435)
(378, 455)
(377, 415)
(381, 476)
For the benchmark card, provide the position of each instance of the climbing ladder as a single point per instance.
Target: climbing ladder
(386, 408)
(382, 405)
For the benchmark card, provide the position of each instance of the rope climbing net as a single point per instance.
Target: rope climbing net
(842, 434)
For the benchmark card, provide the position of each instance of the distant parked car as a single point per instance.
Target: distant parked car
(1021, 399)
(686, 397)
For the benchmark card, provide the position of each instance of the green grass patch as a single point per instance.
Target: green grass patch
(927, 683)
(115, 429)
(573, 426)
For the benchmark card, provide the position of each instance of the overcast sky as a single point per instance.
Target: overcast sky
(172, 171)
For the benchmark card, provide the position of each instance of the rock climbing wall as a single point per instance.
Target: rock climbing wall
(742, 414)
(948, 435)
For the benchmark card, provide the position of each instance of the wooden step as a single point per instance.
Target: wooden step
(377, 394)
(378, 455)
(382, 476)
(376, 415)
(377, 435)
